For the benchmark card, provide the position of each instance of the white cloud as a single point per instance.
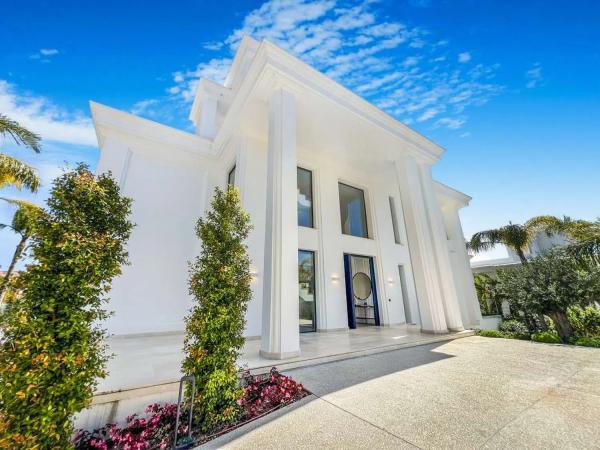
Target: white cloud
(403, 69)
(214, 46)
(534, 76)
(43, 117)
(464, 57)
(44, 54)
(142, 106)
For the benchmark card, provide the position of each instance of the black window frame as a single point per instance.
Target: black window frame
(231, 171)
(366, 216)
(314, 289)
(312, 195)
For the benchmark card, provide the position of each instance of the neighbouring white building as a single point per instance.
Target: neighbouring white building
(350, 229)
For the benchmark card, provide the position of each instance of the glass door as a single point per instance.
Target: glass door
(306, 287)
(361, 291)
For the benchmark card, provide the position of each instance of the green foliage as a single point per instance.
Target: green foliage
(51, 350)
(585, 321)
(513, 326)
(586, 342)
(491, 333)
(524, 336)
(545, 336)
(220, 283)
(549, 285)
(489, 302)
(20, 135)
(18, 174)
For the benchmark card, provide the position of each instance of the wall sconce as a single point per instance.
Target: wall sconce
(335, 277)
(390, 281)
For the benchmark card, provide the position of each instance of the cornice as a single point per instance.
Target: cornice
(108, 120)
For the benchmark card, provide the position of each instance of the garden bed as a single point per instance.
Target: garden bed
(262, 395)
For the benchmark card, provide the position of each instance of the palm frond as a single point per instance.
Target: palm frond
(24, 217)
(485, 240)
(20, 134)
(17, 173)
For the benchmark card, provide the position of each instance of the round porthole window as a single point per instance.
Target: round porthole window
(361, 286)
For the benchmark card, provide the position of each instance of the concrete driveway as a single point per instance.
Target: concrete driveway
(469, 393)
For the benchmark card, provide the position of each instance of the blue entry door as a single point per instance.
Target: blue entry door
(361, 291)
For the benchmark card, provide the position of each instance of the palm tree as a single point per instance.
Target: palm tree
(518, 237)
(22, 223)
(12, 171)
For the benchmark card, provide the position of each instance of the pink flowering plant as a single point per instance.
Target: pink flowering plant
(139, 433)
(263, 394)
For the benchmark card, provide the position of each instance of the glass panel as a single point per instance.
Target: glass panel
(306, 281)
(231, 177)
(352, 211)
(305, 209)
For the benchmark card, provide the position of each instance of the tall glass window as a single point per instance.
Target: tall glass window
(231, 176)
(394, 214)
(353, 211)
(306, 285)
(305, 195)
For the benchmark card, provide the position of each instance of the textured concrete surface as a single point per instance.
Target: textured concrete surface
(469, 393)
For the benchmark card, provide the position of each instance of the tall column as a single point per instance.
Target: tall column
(442, 254)
(280, 325)
(422, 253)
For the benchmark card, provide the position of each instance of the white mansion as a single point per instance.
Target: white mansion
(350, 229)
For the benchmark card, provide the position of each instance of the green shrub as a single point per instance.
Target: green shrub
(546, 337)
(51, 349)
(491, 333)
(587, 342)
(220, 284)
(550, 285)
(513, 326)
(585, 321)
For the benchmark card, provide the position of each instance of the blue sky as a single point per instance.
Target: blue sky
(510, 88)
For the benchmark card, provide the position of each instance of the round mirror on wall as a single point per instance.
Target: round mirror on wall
(361, 286)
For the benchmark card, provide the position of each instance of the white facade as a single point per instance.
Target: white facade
(272, 115)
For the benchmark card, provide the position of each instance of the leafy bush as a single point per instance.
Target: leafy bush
(513, 326)
(586, 342)
(491, 333)
(220, 283)
(263, 394)
(585, 321)
(549, 285)
(138, 433)
(546, 337)
(51, 349)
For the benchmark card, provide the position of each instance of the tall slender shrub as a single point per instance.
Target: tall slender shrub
(220, 284)
(51, 350)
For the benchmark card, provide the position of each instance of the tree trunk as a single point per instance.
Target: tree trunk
(521, 256)
(16, 256)
(562, 325)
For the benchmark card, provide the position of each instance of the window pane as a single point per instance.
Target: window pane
(352, 211)
(231, 177)
(305, 210)
(306, 285)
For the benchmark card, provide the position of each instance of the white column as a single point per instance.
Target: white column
(422, 253)
(442, 255)
(280, 325)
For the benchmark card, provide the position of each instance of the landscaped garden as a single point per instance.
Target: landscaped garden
(52, 350)
(552, 298)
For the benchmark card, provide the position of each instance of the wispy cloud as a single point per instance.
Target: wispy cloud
(534, 76)
(464, 57)
(42, 116)
(44, 54)
(405, 70)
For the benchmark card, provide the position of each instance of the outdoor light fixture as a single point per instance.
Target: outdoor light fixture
(335, 277)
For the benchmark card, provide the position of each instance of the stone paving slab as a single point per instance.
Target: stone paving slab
(470, 393)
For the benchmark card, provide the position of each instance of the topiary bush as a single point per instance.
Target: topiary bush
(491, 333)
(546, 337)
(220, 284)
(513, 326)
(51, 350)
